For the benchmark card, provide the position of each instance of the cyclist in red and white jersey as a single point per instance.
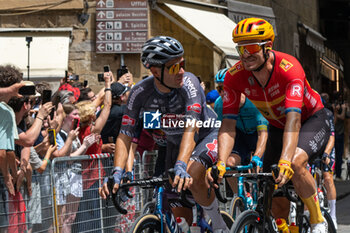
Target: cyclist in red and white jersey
(275, 83)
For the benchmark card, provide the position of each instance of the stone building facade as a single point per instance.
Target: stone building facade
(203, 56)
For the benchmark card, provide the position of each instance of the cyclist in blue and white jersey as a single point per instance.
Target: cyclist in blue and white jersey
(172, 93)
(251, 128)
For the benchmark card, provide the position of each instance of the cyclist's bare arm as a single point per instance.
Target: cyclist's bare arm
(121, 155)
(290, 141)
(261, 143)
(186, 148)
(130, 162)
(226, 140)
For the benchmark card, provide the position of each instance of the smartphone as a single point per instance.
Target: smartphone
(106, 68)
(100, 77)
(122, 71)
(76, 123)
(52, 136)
(85, 83)
(46, 96)
(27, 90)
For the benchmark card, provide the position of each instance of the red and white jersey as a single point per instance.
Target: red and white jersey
(286, 90)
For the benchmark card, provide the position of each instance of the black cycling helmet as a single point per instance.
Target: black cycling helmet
(159, 50)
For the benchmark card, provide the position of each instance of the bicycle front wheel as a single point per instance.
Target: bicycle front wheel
(227, 219)
(149, 223)
(237, 207)
(328, 218)
(247, 222)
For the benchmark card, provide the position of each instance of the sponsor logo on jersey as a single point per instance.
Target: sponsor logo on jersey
(190, 86)
(126, 120)
(247, 91)
(296, 90)
(212, 150)
(235, 69)
(285, 65)
(132, 97)
(196, 107)
(151, 120)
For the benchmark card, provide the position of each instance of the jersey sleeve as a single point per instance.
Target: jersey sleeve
(261, 122)
(295, 77)
(194, 98)
(231, 99)
(132, 111)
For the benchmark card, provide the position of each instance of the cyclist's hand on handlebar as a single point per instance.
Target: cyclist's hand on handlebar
(286, 172)
(117, 176)
(182, 179)
(221, 166)
(256, 161)
(326, 158)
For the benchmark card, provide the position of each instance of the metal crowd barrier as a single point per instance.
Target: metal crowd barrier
(65, 197)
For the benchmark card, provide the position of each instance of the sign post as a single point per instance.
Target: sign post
(121, 26)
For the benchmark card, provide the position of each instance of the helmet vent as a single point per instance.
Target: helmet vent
(249, 27)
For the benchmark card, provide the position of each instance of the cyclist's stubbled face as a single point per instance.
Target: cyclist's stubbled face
(251, 61)
(173, 73)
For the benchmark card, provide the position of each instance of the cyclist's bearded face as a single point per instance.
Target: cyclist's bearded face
(173, 72)
(251, 54)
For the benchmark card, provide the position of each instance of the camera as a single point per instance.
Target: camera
(52, 136)
(73, 77)
(100, 77)
(123, 70)
(76, 123)
(46, 96)
(27, 90)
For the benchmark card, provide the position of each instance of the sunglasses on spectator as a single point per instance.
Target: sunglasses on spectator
(251, 48)
(175, 68)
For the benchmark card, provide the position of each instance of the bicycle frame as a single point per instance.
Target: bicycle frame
(241, 189)
(165, 216)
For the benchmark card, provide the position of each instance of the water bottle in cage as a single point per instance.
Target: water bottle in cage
(320, 197)
(249, 201)
(293, 213)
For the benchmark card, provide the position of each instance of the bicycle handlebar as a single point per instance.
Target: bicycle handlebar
(215, 175)
(275, 169)
(240, 167)
(148, 183)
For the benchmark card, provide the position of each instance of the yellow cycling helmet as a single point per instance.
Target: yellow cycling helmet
(253, 29)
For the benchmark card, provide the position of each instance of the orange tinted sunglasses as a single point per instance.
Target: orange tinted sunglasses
(174, 69)
(250, 48)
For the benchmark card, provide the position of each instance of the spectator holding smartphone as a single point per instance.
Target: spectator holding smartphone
(68, 201)
(89, 124)
(10, 83)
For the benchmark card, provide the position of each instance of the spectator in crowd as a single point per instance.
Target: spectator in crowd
(9, 85)
(70, 176)
(110, 131)
(211, 98)
(89, 124)
(339, 109)
(86, 94)
(125, 77)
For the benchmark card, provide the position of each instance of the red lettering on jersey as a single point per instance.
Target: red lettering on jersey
(196, 107)
(126, 120)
